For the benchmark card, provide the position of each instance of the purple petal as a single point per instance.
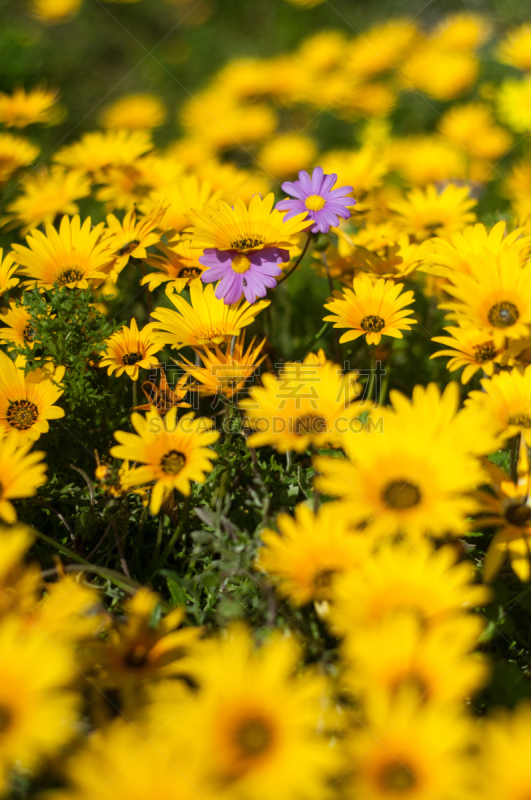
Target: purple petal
(306, 183)
(287, 205)
(253, 287)
(293, 188)
(317, 180)
(269, 255)
(213, 274)
(294, 212)
(328, 182)
(212, 257)
(342, 190)
(230, 288)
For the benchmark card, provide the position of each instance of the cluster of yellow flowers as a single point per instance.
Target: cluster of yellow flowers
(241, 714)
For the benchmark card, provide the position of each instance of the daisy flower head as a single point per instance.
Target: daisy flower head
(371, 309)
(315, 196)
(248, 274)
(129, 349)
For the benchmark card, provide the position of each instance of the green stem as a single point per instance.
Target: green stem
(178, 530)
(385, 383)
(298, 261)
(135, 393)
(371, 374)
(158, 543)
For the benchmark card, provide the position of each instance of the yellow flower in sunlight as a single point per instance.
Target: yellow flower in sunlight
(515, 49)
(471, 127)
(507, 507)
(426, 159)
(381, 48)
(287, 153)
(15, 152)
(462, 31)
(426, 212)
(231, 182)
(303, 559)
(54, 11)
(471, 348)
(504, 769)
(100, 150)
(433, 585)
(224, 373)
(363, 169)
(27, 402)
(507, 399)
(75, 256)
(45, 195)
(134, 112)
(21, 473)
(371, 309)
(129, 238)
(513, 101)
(174, 452)
(309, 403)
(8, 267)
(243, 228)
(379, 250)
(20, 109)
(206, 320)
(256, 720)
(164, 397)
(397, 657)
(19, 329)
(129, 350)
(187, 193)
(179, 263)
(440, 72)
(138, 185)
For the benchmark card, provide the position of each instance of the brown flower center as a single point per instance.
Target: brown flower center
(128, 248)
(503, 315)
(311, 423)
(22, 414)
(28, 333)
(69, 275)
(189, 272)
(323, 579)
(132, 358)
(6, 717)
(401, 494)
(173, 462)
(245, 242)
(372, 324)
(397, 778)
(522, 420)
(485, 352)
(253, 737)
(518, 515)
(137, 656)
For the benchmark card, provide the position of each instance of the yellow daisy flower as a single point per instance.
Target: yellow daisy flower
(311, 403)
(28, 402)
(224, 373)
(8, 267)
(45, 195)
(179, 263)
(440, 72)
(411, 751)
(75, 256)
(513, 101)
(363, 169)
(463, 31)
(206, 321)
(134, 112)
(309, 551)
(433, 585)
(174, 452)
(15, 152)
(231, 181)
(100, 150)
(494, 297)
(371, 309)
(257, 722)
(240, 228)
(422, 160)
(132, 185)
(179, 198)
(507, 399)
(129, 238)
(425, 212)
(515, 49)
(129, 350)
(164, 397)
(22, 473)
(504, 769)
(19, 329)
(398, 656)
(20, 109)
(287, 153)
(472, 128)
(470, 348)
(38, 712)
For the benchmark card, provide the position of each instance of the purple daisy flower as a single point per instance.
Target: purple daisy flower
(315, 196)
(250, 274)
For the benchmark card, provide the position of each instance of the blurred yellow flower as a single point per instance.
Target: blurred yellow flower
(513, 101)
(286, 154)
(99, 150)
(15, 152)
(134, 112)
(55, 11)
(515, 49)
(23, 108)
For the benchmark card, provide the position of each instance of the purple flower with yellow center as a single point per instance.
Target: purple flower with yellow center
(251, 273)
(315, 196)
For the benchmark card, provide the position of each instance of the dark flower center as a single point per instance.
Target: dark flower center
(173, 462)
(522, 420)
(503, 315)
(397, 778)
(6, 717)
(323, 579)
(518, 515)
(128, 248)
(484, 352)
(136, 657)
(401, 494)
(311, 423)
(22, 414)
(69, 275)
(189, 272)
(372, 324)
(245, 242)
(132, 358)
(29, 333)
(253, 737)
